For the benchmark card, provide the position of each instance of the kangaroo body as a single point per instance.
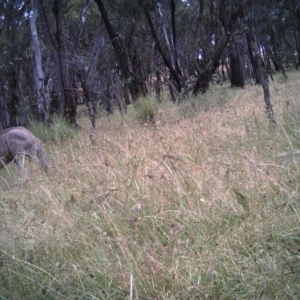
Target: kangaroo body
(17, 143)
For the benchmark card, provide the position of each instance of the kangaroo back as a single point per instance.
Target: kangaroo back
(16, 143)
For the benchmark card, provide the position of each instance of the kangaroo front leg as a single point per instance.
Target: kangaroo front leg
(19, 160)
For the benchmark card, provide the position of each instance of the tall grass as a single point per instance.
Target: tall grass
(146, 109)
(199, 207)
(57, 132)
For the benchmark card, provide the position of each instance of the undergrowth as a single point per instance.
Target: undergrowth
(56, 132)
(146, 109)
(197, 206)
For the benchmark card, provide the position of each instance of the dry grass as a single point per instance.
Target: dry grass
(202, 205)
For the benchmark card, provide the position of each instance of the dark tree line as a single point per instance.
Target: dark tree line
(56, 54)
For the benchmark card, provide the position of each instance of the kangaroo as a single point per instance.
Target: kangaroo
(17, 143)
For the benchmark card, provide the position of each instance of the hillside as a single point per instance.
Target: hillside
(203, 204)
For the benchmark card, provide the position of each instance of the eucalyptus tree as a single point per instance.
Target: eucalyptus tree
(222, 21)
(287, 27)
(129, 64)
(105, 51)
(70, 101)
(127, 21)
(253, 9)
(14, 41)
(162, 18)
(296, 16)
(83, 68)
(273, 39)
(191, 37)
(42, 83)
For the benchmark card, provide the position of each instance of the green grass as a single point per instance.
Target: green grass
(202, 205)
(57, 132)
(146, 109)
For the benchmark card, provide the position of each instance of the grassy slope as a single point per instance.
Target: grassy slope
(202, 205)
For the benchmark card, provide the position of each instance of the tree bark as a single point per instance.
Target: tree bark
(42, 85)
(158, 86)
(198, 29)
(4, 113)
(14, 102)
(121, 54)
(237, 74)
(175, 77)
(228, 20)
(261, 73)
(70, 104)
(252, 60)
(139, 74)
(85, 70)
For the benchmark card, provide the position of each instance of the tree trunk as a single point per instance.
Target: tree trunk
(274, 51)
(170, 56)
(261, 73)
(14, 102)
(228, 20)
(139, 74)
(90, 104)
(57, 104)
(297, 34)
(205, 76)
(237, 74)
(42, 86)
(84, 71)
(68, 92)
(158, 86)
(4, 113)
(252, 60)
(121, 54)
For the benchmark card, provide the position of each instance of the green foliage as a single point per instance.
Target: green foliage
(4, 42)
(58, 131)
(146, 109)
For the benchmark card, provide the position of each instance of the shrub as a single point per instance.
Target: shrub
(146, 109)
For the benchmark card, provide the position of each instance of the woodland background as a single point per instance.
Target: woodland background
(182, 190)
(108, 54)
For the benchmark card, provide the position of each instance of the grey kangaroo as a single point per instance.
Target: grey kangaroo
(17, 143)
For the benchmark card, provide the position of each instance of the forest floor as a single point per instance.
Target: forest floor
(201, 204)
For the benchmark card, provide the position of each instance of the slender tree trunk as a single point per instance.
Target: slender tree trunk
(195, 46)
(228, 20)
(168, 42)
(252, 59)
(261, 73)
(297, 34)
(57, 104)
(169, 52)
(83, 75)
(14, 102)
(274, 51)
(158, 86)
(42, 85)
(89, 102)
(68, 92)
(237, 74)
(4, 113)
(139, 74)
(121, 54)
